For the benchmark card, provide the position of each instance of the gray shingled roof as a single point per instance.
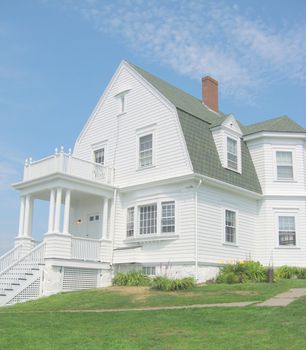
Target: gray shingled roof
(197, 120)
(280, 124)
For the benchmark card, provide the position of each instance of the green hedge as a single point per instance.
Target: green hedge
(289, 272)
(137, 278)
(242, 272)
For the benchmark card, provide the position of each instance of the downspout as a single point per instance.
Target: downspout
(196, 230)
(113, 226)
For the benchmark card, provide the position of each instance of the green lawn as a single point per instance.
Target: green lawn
(215, 328)
(125, 297)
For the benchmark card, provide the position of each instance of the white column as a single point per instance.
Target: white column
(105, 218)
(51, 211)
(27, 218)
(21, 216)
(67, 211)
(58, 210)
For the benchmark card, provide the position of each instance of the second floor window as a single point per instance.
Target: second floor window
(146, 151)
(284, 165)
(230, 226)
(232, 158)
(99, 155)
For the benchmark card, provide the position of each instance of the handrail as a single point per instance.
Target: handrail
(40, 160)
(5, 261)
(24, 258)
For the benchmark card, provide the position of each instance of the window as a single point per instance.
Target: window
(232, 158)
(122, 102)
(147, 219)
(286, 230)
(230, 226)
(168, 217)
(130, 222)
(149, 270)
(99, 156)
(284, 165)
(146, 151)
(94, 217)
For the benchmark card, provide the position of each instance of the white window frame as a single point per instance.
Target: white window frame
(96, 147)
(170, 217)
(234, 137)
(94, 215)
(139, 217)
(287, 212)
(141, 133)
(122, 101)
(149, 270)
(284, 149)
(158, 202)
(235, 244)
(130, 222)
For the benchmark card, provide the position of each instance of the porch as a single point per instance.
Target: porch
(80, 199)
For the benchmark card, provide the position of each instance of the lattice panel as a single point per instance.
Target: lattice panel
(75, 278)
(30, 292)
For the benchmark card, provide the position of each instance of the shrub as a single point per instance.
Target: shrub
(169, 284)
(133, 278)
(241, 272)
(289, 272)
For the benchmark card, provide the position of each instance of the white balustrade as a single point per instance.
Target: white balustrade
(10, 257)
(85, 249)
(67, 164)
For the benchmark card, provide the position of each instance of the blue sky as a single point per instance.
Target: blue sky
(57, 56)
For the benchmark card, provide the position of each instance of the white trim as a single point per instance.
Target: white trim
(275, 134)
(284, 149)
(236, 211)
(286, 212)
(145, 131)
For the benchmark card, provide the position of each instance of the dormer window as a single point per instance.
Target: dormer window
(232, 155)
(99, 155)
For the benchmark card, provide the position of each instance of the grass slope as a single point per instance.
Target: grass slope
(129, 297)
(232, 328)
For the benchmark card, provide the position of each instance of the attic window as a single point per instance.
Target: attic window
(121, 97)
(232, 155)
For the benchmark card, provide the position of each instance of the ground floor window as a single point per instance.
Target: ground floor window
(230, 226)
(286, 230)
(149, 270)
(150, 219)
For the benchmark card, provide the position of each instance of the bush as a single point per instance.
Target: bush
(169, 284)
(289, 272)
(242, 272)
(133, 278)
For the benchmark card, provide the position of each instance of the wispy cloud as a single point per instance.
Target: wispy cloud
(204, 37)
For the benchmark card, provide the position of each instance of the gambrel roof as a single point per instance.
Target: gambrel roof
(196, 121)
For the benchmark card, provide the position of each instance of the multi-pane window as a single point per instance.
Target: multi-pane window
(99, 156)
(94, 217)
(149, 270)
(146, 150)
(130, 222)
(148, 219)
(286, 230)
(168, 217)
(230, 226)
(232, 158)
(284, 165)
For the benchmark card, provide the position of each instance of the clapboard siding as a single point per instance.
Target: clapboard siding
(267, 249)
(179, 249)
(211, 205)
(144, 108)
(263, 155)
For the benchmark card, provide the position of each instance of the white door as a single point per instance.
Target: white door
(94, 227)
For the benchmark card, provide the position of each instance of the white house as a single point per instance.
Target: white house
(161, 181)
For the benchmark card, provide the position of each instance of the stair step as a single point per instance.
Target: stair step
(35, 268)
(15, 284)
(8, 289)
(2, 295)
(29, 274)
(22, 279)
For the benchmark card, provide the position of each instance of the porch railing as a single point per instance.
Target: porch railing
(67, 164)
(85, 249)
(10, 257)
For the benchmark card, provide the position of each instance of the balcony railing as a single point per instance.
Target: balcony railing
(67, 164)
(85, 249)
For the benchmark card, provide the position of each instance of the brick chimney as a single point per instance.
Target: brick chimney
(210, 93)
